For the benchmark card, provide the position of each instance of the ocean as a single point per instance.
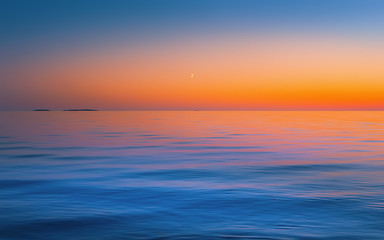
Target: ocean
(271, 175)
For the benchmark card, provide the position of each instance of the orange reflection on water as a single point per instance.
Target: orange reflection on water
(310, 136)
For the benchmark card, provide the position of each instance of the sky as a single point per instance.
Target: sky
(192, 54)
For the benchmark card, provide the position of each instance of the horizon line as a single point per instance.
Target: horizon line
(214, 110)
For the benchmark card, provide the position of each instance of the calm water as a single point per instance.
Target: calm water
(191, 175)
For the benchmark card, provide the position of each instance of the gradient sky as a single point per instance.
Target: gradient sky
(141, 54)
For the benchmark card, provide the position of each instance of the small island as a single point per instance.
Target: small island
(42, 110)
(81, 110)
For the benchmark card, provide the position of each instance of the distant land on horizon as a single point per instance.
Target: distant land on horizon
(70, 110)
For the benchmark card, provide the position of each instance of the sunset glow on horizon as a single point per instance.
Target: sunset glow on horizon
(229, 55)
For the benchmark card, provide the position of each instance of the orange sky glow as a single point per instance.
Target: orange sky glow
(230, 73)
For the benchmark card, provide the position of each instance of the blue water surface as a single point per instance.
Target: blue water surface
(191, 175)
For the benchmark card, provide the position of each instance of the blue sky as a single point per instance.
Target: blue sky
(43, 24)
(43, 30)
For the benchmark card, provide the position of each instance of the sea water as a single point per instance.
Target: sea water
(191, 175)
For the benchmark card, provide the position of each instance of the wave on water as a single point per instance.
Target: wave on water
(213, 175)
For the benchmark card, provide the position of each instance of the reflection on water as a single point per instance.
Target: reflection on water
(191, 175)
